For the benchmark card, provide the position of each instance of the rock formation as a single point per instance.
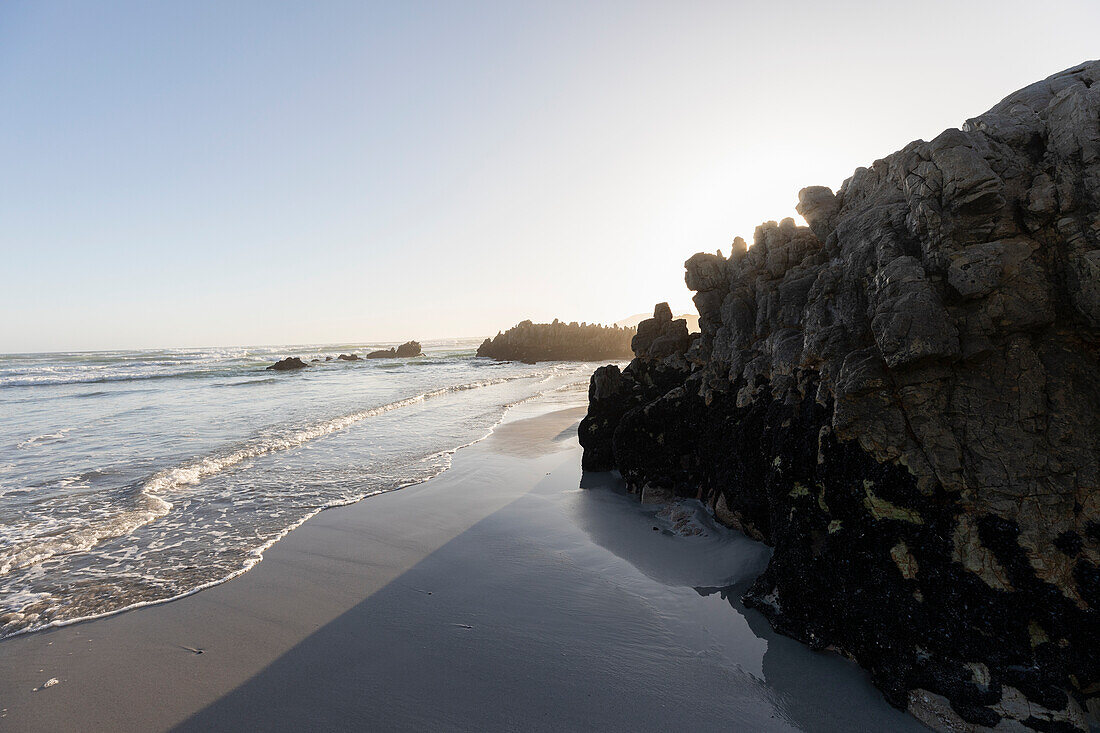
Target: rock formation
(691, 319)
(661, 336)
(348, 357)
(409, 349)
(533, 342)
(288, 364)
(903, 400)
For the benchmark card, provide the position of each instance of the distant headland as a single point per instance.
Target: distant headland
(534, 342)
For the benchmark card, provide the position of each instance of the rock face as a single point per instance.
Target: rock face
(660, 336)
(533, 342)
(382, 354)
(288, 364)
(409, 348)
(691, 319)
(903, 400)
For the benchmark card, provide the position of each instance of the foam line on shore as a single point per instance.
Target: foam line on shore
(150, 505)
(256, 555)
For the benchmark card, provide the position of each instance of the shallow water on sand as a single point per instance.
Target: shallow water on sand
(129, 478)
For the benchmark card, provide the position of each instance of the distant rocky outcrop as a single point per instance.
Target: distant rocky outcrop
(348, 357)
(288, 364)
(903, 399)
(534, 342)
(409, 349)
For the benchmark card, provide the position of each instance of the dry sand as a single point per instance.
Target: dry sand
(497, 596)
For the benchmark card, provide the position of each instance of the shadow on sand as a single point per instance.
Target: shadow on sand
(554, 613)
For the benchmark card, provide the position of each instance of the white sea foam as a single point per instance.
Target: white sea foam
(49, 541)
(194, 472)
(43, 438)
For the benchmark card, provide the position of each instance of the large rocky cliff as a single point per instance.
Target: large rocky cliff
(903, 400)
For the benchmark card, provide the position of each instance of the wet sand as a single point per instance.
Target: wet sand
(500, 595)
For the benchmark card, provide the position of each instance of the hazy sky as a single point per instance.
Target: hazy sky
(214, 173)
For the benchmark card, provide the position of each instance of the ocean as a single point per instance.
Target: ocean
(134, 477)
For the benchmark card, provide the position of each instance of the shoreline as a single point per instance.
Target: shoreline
(256, 556)
(499, 589)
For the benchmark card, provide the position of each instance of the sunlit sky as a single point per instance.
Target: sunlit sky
(213, 173)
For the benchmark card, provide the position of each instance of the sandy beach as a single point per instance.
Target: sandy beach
(509, 593)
